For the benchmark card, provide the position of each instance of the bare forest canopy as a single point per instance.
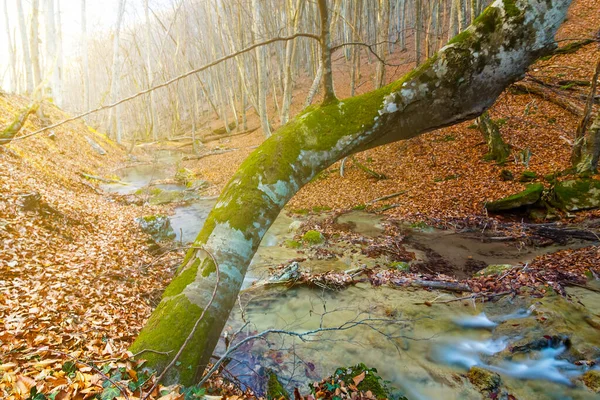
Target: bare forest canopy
(149, 42)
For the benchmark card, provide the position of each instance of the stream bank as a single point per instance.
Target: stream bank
(414, 342)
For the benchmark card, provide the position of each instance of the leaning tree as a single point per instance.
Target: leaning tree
(458, 83)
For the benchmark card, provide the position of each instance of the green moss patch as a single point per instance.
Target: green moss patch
(313, 237)
(292, 244)
(493, 270)
(527, 176)
(401, 266)
(166, 331)
(575, 195)
(275, 389)
(527, 197)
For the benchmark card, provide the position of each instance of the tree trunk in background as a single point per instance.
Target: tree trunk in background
(113, 118)
(25, 47)
(152, 103)
(590, 151)
(418, 30)
(85, 57)
(11, 52)
(455, 85)
(497, 150)
(261, 66)
(586, 147)
(57, 76)
(328, 91)
(34, 42)
(290, 57)
(383, 23)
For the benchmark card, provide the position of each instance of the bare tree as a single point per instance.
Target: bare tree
(114, 117)
(85, 57)
(25, 48)
(11, 51)
(261, 66)
(152, 103)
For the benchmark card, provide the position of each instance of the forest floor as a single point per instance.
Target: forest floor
(78, 279)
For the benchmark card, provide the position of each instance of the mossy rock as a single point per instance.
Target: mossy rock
(313, 237)
(184, 176)
(527, 176)
(292, 244)
(198, 184)
(166, 197)
(483, 379)
(527, 197)
(152, 191)
(275, 389)
(592, 380)
(157, 226)
(575, 195)
(400, 266)
(493, 270)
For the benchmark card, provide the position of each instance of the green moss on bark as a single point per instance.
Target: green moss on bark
(180, 282)
(166, 331)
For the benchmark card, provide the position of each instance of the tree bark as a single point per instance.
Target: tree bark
(383, 28)
(25, 47)
(497, 150)
(290, 57)
(151, 104)
(329, 93)
(34, 40)
(261, 66)
(85, 57)
(457, 84)
(11, 52)
(583, 155)
(113, 119)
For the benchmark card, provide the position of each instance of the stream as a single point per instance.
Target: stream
(425, 352)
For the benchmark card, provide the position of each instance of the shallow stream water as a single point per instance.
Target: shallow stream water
(423, 351)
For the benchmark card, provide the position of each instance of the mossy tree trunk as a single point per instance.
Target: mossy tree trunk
(497, 150)
(586, 148)
(457, 84)
(590, 149)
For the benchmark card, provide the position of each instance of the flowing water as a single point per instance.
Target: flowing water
(423, 351)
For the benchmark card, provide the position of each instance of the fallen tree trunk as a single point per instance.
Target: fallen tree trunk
(455, 85)
(550, 95)
(8, 134)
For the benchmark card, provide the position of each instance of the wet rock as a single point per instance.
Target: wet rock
(527, 197)
(575, 195)
(171, 196)
(157, 226)
(97, 148)
(294, 226)
(198, 184)
(483, 379)
(290, 272)
(494, 270)
(553, 341)
(592, 380)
